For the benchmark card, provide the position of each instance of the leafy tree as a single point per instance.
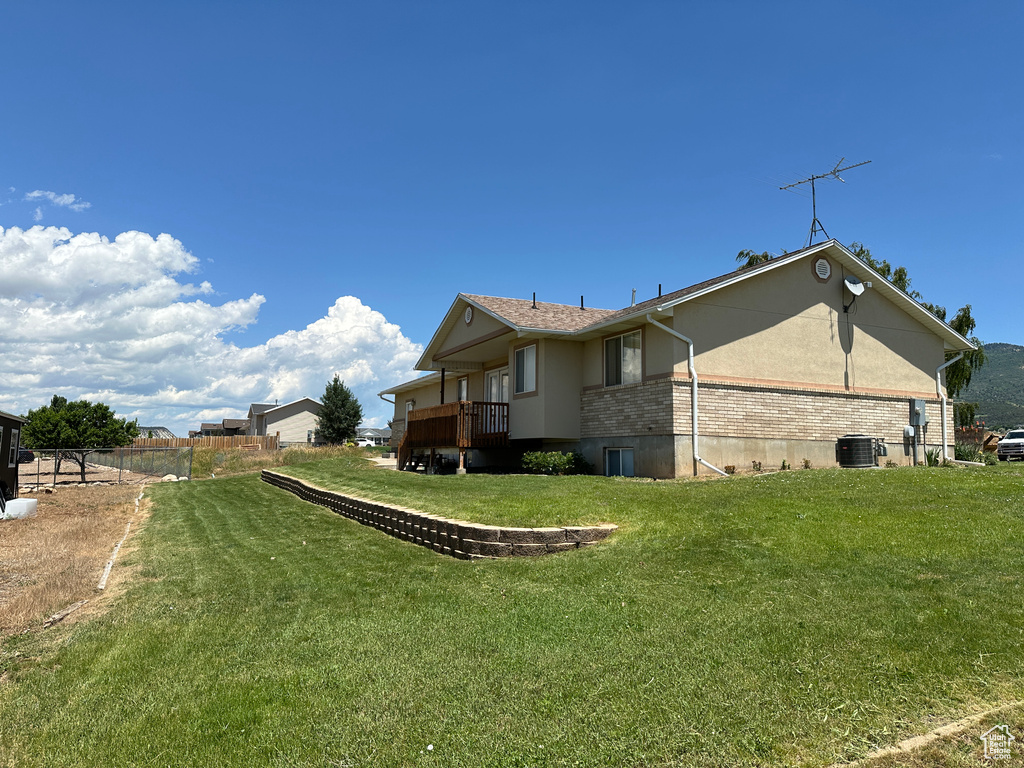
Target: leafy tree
(896, 275)
(958, 375)
(340, 413)
(751, 259)
(76, 429)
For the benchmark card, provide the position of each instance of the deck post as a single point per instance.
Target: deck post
(462, 462)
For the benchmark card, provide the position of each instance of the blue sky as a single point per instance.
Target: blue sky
(401, 152)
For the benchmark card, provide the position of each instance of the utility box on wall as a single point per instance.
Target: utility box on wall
(918, 414)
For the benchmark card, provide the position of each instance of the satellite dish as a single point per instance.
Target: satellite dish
(854, 286)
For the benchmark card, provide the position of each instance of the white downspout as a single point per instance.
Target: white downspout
(942, 396)
(693, 394)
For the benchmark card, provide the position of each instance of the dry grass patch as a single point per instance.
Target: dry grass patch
(56, 558)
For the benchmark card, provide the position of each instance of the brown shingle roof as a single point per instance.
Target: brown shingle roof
(547, 316)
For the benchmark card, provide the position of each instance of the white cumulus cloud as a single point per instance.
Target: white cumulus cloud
(63, 201)
(118, 321)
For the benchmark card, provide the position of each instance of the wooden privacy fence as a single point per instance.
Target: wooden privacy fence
(252, 442)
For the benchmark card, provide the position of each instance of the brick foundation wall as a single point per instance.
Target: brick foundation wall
(662, 407)
(731, 410)
(744, 421)
(627, 410)
(456, 538)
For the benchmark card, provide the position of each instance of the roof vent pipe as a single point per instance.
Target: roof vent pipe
(581, 302)
(659, 290)
(534, 299)
(693, 396)
(633, 300)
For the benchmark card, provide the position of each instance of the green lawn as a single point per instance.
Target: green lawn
(801, 617)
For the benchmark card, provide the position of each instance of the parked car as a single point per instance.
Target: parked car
(364, 442)
(1011, 446)
(25, 456)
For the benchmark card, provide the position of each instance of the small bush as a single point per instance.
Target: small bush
(932, 457)
(785, 465)
(966, 452)
(756, 465)
(556, 463)
(807, 463)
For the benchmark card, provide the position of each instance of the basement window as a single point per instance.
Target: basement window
(618, 462)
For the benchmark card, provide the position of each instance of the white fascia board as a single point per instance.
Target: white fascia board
(951, 339)
(432, 377)
(542, 332)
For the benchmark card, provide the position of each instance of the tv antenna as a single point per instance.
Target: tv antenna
(816, 225)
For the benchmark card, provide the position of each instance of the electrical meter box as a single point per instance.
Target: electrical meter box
(918, 415)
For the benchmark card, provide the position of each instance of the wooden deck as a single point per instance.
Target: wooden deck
(463, 424)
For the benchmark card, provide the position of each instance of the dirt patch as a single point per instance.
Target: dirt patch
(55, 559)
(40, 472)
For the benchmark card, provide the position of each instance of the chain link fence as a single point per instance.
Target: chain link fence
(103, 465)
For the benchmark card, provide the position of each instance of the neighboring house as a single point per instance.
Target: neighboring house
(235, 426)
(10, 439)
(785, 357)
(223, 428)
(379, 436)
(295, 422)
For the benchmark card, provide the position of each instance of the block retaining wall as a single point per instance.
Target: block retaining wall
(457, 538)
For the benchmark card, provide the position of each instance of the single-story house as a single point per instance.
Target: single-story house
(379, 436)
(766, 364)
(10, 441)
(293, 422)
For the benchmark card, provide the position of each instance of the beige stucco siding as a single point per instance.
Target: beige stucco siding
(552, 411)
(560, 389)
(464, 341)
(789, 327)
(292, 421)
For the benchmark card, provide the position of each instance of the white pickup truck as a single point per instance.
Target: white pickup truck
(1011, 446)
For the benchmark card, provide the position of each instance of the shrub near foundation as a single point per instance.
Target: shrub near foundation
(556, 463)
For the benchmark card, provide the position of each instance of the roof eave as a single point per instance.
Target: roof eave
(427, 358)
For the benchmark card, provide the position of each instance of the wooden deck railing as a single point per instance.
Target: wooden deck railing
(463, 424)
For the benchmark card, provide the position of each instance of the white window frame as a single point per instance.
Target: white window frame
(15, 437)
(526, 369)
(620, 452)
(621, 369)
(500, 376)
